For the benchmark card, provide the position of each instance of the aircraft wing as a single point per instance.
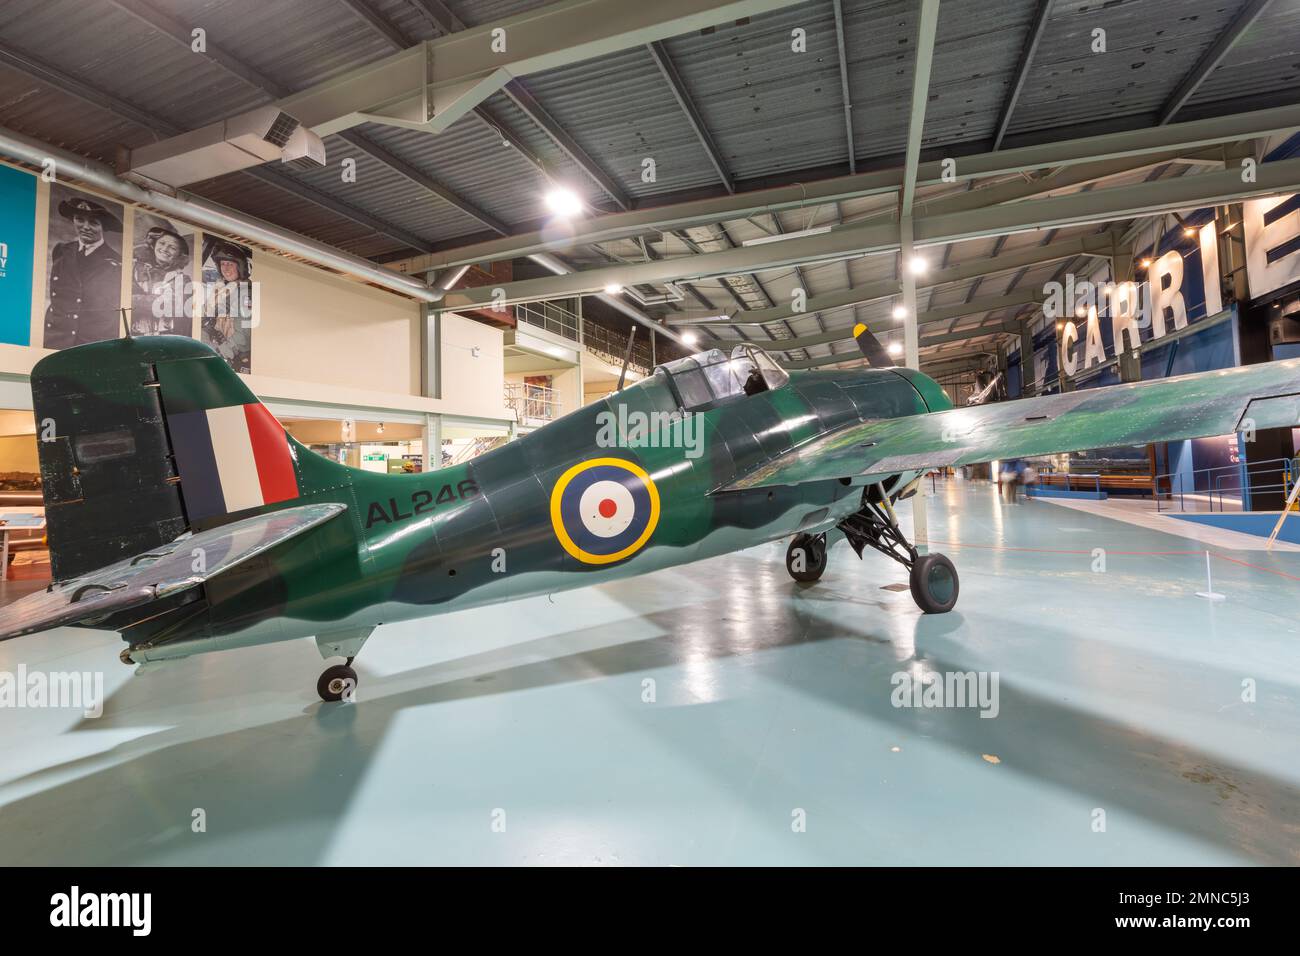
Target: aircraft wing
(1186, 406)
(184, 563)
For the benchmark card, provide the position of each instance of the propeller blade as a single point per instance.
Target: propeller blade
(871, 348)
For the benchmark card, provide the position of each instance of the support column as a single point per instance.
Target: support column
(911, 334)
(1253, 345)
(1121, 270)
(432, 442)
(1028, 372)
(430, 351)
(912, 359)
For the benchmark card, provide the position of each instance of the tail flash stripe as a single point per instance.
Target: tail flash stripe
(236, 465)
(271, 453)
(192, 445)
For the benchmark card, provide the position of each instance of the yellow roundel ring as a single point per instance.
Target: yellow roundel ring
(601, 538)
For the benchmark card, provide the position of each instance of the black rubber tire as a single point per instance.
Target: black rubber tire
(934, 584)
(814, 549)
(332, 684)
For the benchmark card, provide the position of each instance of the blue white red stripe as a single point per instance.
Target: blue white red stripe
(231, 459)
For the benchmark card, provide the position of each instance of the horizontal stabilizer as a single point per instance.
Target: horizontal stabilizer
(1187, 406)
(184, 563)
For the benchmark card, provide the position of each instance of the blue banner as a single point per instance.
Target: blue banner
(17, 239)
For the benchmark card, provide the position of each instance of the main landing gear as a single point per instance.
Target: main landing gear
(933, 579)
(805, 559)
(339, 682)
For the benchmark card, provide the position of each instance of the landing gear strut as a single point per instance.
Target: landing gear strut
(933, 579)
(339, 682)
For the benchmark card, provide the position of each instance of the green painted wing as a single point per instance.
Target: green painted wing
(1187, 406)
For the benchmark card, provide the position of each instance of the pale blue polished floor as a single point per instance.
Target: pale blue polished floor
(1119, 691)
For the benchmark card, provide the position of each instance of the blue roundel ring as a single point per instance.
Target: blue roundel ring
(604, 510)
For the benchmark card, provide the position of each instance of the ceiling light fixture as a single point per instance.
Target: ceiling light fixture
(782, 237)
(563, 202)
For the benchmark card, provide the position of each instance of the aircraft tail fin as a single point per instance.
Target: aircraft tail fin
(141, 439)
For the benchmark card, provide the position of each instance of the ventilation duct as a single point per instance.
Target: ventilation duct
(249, 139)
(208, 215)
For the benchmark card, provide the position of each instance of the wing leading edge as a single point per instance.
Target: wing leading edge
(1186, 406)
(155, 574)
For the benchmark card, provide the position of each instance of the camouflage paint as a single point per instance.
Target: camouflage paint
(1170, 409)
(413, 545)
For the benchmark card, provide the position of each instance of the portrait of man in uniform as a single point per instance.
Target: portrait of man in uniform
(161, 289)
(227, 302)
(84, 288)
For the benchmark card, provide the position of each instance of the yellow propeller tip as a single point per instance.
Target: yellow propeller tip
(858, 329)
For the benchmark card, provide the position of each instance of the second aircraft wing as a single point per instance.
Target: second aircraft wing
(1187, 406)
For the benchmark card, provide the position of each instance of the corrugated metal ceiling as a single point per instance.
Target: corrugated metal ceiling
(775, 114)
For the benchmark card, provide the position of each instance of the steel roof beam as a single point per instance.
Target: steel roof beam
(74, 87)
(379, 24)
(844, 84)
(1124, 202)
(430, 85)
(1107, 146)
(348, 211)
(1211, 58)
(270, 88)
(207, 215)
(424, 181)
(529, 106)
(974, 332)
(163, 22)
(940, 314)
(675, 83)
(927, 26)
(447, 23)
(886, 288)
(1035, 34)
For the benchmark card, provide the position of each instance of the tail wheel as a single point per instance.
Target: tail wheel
(336, 683)
(805, 559)
(934, 584)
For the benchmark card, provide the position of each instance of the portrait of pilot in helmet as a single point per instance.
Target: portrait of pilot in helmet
(227, 305)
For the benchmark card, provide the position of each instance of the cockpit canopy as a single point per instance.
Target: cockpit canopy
(707, 378)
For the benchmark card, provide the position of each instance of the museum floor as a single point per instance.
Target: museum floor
(522, 733)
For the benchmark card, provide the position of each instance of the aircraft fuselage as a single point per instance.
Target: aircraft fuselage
(585, 499)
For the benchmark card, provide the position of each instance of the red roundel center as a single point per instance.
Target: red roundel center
(607, 508)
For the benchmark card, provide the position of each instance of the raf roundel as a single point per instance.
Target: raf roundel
(604, 510)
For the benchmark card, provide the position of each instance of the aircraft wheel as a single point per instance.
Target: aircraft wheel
(934, 584)
(336, 682)
(805, 559)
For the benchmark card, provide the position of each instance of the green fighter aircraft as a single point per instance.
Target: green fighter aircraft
(181, 514)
